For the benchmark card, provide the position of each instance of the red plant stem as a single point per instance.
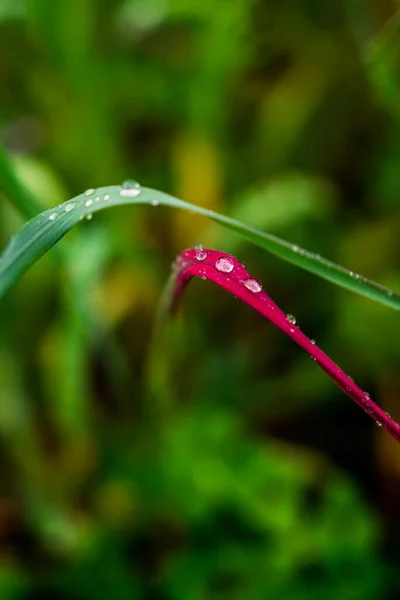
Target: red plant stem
(235, 279)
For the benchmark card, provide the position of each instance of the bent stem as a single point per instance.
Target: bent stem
(227, 272)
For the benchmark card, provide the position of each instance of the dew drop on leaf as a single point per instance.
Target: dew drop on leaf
(68, 207)
(89, 192)
(130, 189)
(88, 203)
(53, 217)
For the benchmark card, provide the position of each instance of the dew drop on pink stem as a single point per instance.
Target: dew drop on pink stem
(252, 285)
(201, 255)
(225, 265)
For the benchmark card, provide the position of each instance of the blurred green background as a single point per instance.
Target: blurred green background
(215, 461)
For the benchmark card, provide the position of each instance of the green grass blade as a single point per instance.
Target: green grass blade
(42, 232)
(12, 186)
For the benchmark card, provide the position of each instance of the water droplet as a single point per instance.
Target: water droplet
(201, 255)
(68, 207)
(198, 246)
(367, 395)
(106, 197)
(225, 265)
(291, 319)
(204, 278)
(387, 414)
(89, 192)
(53, 217)
(130, 189)
(89, 217)
(97, 199)
(88, 203)
(154, 202)
(378, 423)
(313, 342)
(252, 285)
(295, 248)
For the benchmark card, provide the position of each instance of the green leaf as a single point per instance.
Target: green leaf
(42, 232)
(12, 186)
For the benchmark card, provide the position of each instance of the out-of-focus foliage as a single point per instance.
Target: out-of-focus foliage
(214, 460)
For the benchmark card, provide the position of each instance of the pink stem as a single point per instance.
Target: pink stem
(224, 270)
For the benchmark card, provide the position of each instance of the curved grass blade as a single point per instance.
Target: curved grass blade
(227, 272)
(42, 232)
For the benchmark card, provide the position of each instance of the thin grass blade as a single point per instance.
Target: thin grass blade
(227, 272)
(45, 230)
